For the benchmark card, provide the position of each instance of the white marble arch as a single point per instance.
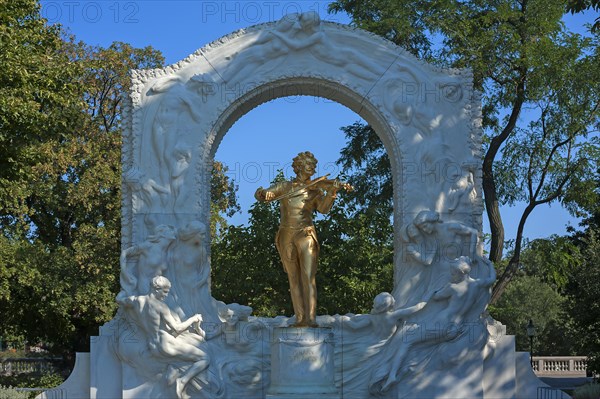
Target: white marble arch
(428, 119)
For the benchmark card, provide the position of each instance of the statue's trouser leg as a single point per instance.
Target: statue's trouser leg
(289, 258)
(308, 252)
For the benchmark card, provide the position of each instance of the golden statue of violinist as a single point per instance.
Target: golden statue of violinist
(296, 240)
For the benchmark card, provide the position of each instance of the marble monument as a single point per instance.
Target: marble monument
(429, 338)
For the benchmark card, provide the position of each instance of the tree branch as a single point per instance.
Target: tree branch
(489, 185)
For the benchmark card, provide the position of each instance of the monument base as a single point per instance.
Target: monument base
(303, 368)
(302, 364)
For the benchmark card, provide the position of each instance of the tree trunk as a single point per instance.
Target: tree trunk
(515, 260)
(489, 184)
(493, 211)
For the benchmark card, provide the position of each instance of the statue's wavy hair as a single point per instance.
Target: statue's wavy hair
(302, 159)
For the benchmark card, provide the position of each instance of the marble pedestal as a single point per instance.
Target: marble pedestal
(302, 364)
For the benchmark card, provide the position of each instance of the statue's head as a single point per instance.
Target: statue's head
(161, 286)
(194, 228)
(304, 162)
(168, 112)
(425, 220)
(383, 302)
(162, 232)
(310, 21)
(228, 316)
(174, 99)
(460, 268)
(234, 312)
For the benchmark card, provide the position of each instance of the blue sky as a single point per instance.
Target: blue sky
(266, 138)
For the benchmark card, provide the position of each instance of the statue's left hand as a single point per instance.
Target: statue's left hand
(337, 185)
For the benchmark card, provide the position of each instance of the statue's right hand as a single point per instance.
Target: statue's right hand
(269, 195)
(263, 195)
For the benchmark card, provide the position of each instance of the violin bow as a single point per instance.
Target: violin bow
(299, 189)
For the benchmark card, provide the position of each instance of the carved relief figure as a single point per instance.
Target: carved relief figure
(236, 329)
(165, 134)
(421, 245)
(428, 237)
(152, 261)
(190, 271)
(164, 131)
(362, 338)
(163, 331)
(148, 191)
(403, 100)
(268, 46)
(430, 242)
(307, 34)
(296, 239)
(463, 188)
(296, 32)
(383, 320)
(232, 313)
(178, 166)
(447, 313)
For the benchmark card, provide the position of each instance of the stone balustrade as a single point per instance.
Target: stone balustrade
(560, 365)
(28, 365)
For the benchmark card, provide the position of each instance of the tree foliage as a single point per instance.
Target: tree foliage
(61, 187)
(527, 297)
(60, 178)
(38, 96)
(551, 259)
(223, 199)
(584, 298)
(523, 59)
(367, 166)
(556, 286)
(577, 6)
(245, 264)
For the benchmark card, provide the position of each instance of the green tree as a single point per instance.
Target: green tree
(245, 264)
(551, 259)
(584, 304)
(528, 297)
(39, 93)
(582, 289)
(537, 292)
(223, 198)
(522, 58)
(60, 178)
(356, 261)
(60, 130)
(40, 97)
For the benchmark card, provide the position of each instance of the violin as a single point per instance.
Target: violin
(321, 182)
(327, 184)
